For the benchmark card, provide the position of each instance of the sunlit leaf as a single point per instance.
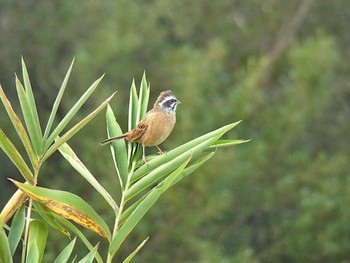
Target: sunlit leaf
(227, 143)
(69, 206)
(33, 131)
(73, 159)
(133, 106)
(143, 207)
(71, 113)
(144, 97)
(190, 169)
(32, 105)
(37, 240)
(118, 148)
(69, 134)
(17, 124)
(57, 102)
(159, 160)
(7, 146)
(33, 254)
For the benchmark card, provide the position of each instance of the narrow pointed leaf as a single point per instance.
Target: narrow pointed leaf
(73, 159)
(67, 205)
(69, 134)
(7, 146)
(34, 130)
(227, 143)
(144, 96)
(82, 237)
(187, 171)
(118, 148)
(63, 257)
(71, 113)
(5, 253)
(193, 167)
(133, 254)
(132, 119)
(17, 124)
(133, 106)
(37, 238)
(89, 258)
(159, 160)
(16, 231)
(48, 217)
(57, 102)
(30, 96)
(156, 175)
(143, 207)
(31, 101)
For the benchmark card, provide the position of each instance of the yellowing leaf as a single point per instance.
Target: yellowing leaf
(67, 205)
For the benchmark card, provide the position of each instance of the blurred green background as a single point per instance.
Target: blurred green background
(281, 66)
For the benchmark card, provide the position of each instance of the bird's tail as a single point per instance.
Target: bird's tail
(114, 138)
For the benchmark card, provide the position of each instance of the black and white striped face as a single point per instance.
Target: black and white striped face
(167, 101)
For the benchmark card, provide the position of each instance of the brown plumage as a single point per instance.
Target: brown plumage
(156, 125)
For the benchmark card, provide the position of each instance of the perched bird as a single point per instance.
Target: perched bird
(156, 125)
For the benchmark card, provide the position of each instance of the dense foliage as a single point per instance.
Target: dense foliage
(281, 66)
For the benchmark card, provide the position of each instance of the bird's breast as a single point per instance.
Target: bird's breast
(159, 127)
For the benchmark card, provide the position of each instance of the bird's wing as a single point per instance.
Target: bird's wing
(139, 130)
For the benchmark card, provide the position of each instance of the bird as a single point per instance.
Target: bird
(155, 126)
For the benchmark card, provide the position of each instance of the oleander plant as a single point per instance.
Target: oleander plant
(33, 211)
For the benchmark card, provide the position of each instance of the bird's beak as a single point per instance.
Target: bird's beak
(178, 102)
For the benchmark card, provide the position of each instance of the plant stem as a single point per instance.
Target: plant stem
(26, 232)
(121, 208)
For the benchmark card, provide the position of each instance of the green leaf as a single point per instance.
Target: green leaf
(17, 124)
(76, 231)
(118, 148)
(89, 258)
(132, 255)
(48, 217)
(33, 130)
(156, 175)
(193, 167)
(143, 207)
(37, 238)
(187, 171)
(227, 143)
(132, 118)
(5, 252)
(73, 159)
(132, 121)
(159, 160)
(31, 102)
(69, 206)
(57, 102)
(69, 134)
(33, 254)
(143, 98)
(63, 257)
(71, 113)
(7, 146)
(16, 231)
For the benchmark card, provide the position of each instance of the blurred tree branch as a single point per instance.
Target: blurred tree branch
(284, 38)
